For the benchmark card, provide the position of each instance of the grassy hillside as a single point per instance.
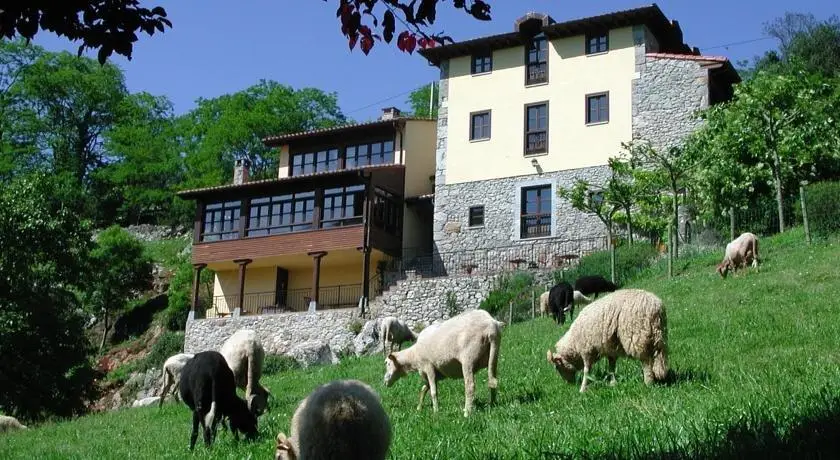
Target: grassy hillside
(755, 357)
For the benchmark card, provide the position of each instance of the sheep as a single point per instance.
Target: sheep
(544, 303)
(740, 252)
(9, 424)
(343, 419)
(594, 285)
(628, 322)
(245, 355)
(560, 300)
(457, 348)
(171, 374)
(148, 401)
(391, 331)
(208, 388)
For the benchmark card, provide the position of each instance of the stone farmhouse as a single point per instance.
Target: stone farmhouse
(355, 208)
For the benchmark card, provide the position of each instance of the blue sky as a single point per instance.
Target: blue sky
(214, 48)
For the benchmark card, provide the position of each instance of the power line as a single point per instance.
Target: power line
(743, 42)
(384, 100)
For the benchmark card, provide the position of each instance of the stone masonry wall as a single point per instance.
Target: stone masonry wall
(278, 333)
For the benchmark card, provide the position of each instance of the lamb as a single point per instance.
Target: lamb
(544, 303)
(343, 419)
(594, 285)
(391, 331)
(457, 348)
(562, 299)
(9, 424)
(172, 373)
(628, 322)
(244, 355)
(740, 252)
(208, 387)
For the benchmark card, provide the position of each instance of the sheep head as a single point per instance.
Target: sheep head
(564, 368)
(393, 370)
(284, 449)
(723, 268)
(242, 419)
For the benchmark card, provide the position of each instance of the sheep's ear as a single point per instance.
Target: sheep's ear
(283, 443)
(394, 359)
(548, 356)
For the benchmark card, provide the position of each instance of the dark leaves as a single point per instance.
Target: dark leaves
(388, 26)
(480, 10)
(366, 44)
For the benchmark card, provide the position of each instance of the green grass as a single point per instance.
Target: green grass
(755, 360)
(166, 251)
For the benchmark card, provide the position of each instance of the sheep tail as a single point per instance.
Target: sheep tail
(660, 346)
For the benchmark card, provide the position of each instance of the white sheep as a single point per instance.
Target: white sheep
(740, 252)
(544, 303)
(393, 331)
(147, 401)
(8, 424)
(172, 375)
(245, 355)
(628, 322)
(343, 419)
(457, 348)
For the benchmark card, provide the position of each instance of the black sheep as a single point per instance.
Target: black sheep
(207, 386)
(594, 284)
(560, 298)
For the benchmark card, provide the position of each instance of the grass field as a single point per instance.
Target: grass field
(755, 357)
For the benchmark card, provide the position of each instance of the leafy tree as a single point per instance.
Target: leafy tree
(15, 57)
(122, 270)
(232, 126)
(818, 50)
(44, 367)
(145, 166)
(422, 98)
(100, 24)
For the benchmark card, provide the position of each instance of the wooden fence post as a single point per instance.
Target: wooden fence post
(731, 224)
(670, 252)
(510, 312)
(533, 304)
(804, 212)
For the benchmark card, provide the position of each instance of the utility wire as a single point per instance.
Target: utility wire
(743, 42)
(385, 100)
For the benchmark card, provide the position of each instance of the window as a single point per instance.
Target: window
(597, 43)
(480, 126)
(536, 60)
(535, 215)
(281, 214)
(375, 153)
(343, 206)
(476, 216)
(310, 162)
(482, 63)
(386, 212)
(221, 221)
(597, 108)
(536, 128)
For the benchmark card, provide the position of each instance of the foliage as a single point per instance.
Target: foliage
(180, 294)
(630, 261)
(103, 25)
(167, 344)
(419, 101)
(276, 364)
(516, 288)
(44, 369)
(452, 308)
(355, 326)
(784, 406)
(813, 43)
(351, 12)
(15, 56)
(823, 208)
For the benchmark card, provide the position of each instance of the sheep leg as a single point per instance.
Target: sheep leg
(433, 390)
(586, 366)
(469, 389)
(492, 370)
(611, 366)
(423, 391)
(647, 371)
(194, 433)
(167, 382)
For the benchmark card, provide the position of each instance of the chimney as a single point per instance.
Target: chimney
(389, 113)
(240, 171)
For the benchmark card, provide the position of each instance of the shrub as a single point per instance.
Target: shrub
(168, 343)
(823, 208)
(516, 288)
(452, 304)
(630, 260)
(355, 326)
(274, 364)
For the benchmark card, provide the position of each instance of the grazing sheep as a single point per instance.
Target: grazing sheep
(207, 386)
(628, 322)
(343, 420)
(172, 373)
(245, 355)
(9, 424)
(148, 401)
(561, 300)
(393, 331)
(740, 252)
(457, 348)
(594, 285)
(544, 303)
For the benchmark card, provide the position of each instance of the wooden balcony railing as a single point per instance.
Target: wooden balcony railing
(292, 300)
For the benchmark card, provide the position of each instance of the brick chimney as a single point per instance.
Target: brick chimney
(389, 113)
(240, 171)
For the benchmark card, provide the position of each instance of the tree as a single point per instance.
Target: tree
(104, 25)
(423, 99)
(145, 164)
(44, 367)
(414, 18)
(15, 58)
(122, 270)
(232, 126)
(818, 50)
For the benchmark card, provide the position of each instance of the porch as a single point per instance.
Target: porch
(291, 300)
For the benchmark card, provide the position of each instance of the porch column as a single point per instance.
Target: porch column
(365, 278)
(195, 287)
(240, 303)
(316, 278)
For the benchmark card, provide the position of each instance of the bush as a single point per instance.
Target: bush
(274, 364)
(355, 326)
(169, 343)
(630, 260)
(180, 288)
(822, 201)
(516, 288)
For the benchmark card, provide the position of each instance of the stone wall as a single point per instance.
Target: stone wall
(279, 333)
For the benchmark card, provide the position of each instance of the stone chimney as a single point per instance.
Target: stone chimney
(389, 113)
(240, 171)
